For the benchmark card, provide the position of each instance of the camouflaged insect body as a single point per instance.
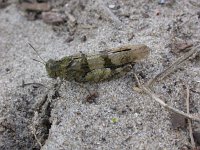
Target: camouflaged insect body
(105, 65)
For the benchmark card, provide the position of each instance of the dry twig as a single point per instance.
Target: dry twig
(172, 67)
(37, 140)
(188, 112)
(107, 12)
(35, 6)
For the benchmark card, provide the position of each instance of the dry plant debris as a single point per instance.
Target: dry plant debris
(35, 6)
(161, 102)
(164, 74)
(53, 17)
(188, 112)
(173, 66)
(91, 97)
(177, 116)
(108, 13)
(181, 47)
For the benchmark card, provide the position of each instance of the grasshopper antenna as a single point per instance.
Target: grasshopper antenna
(39, 61)
(43, 61)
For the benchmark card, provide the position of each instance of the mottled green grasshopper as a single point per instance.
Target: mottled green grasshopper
(105, 65)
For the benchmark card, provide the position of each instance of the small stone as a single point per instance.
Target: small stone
(112, 6)
(161, 2)
(157, 13)
(84, 38)
(136, 115)
(69, 39)
(177, 121)
(7, 69)
(145, 15)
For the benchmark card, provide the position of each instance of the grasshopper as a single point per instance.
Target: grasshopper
(106, 65)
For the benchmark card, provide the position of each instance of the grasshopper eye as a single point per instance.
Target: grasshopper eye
(51, 64)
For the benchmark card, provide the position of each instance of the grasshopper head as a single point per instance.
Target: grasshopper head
(53, 68)
(58, 68)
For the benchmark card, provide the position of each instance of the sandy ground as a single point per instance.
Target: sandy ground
(72, 124)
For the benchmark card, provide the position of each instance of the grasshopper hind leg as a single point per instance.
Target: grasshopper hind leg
(121, 71)
(103, 74)
(98, 75)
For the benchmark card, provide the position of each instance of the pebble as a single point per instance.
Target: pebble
(111, 6)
